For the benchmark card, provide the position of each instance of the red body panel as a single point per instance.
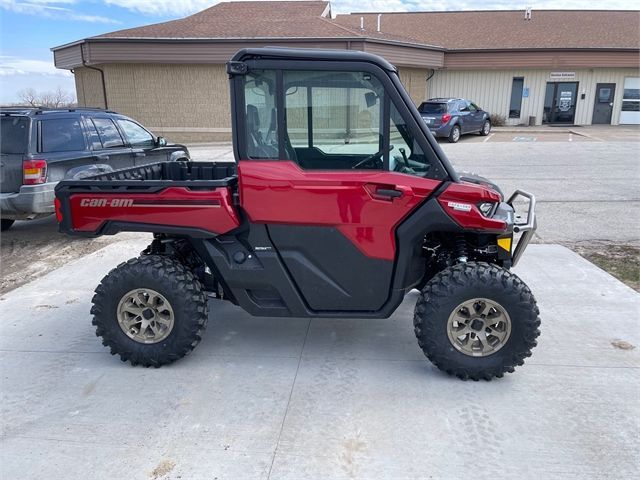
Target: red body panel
(209, 210)
(460, 196)
(281, 192)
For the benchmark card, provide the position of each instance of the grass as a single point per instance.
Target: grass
(620, 260)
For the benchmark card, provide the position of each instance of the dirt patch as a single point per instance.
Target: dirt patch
(34, 248)
(620, 260)
(164, 468)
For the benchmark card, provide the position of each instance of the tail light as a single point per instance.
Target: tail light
(445, 118)
(34, 172)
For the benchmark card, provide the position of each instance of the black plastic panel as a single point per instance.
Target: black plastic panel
(330, 272)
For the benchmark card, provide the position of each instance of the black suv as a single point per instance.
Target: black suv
(452, 117)
(42, 146)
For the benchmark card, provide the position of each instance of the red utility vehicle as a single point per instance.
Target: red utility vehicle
(341, 203)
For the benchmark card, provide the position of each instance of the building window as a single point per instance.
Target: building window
(516, 97)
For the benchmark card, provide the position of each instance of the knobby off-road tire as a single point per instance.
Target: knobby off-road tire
(440, 301)
(161, 281)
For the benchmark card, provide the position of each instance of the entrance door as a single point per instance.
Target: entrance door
(332, 166)
(603, 106)
(560, 102)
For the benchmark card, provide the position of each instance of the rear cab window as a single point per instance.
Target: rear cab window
(61, 135)
(14, 134)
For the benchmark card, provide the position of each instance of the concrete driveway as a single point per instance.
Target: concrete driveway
(333, 399)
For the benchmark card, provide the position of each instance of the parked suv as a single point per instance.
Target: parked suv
(452, 117)
(42, 146)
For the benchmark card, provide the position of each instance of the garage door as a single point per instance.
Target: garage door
(630, 114)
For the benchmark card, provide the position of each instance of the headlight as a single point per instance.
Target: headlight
(487, 208)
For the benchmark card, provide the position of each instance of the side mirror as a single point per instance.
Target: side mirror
(371, 98)
(161, 141)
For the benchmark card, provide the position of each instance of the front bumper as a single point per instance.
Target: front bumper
(526, 227)
(29, 202)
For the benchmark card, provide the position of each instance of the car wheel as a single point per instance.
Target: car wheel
(454, 134)
(486, 128)
(476, 321)
(150, 311)
(6, 224)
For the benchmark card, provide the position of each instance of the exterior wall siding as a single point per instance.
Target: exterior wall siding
(491, 90)
(414, 80)
(180, 102)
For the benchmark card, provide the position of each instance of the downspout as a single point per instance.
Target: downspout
(104, 86)
(429, 77)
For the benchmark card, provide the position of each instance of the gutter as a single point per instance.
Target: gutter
(104, 86)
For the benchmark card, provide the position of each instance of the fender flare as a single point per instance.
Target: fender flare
(179, 154)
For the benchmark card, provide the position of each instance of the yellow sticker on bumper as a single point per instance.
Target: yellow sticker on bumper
(505, 243)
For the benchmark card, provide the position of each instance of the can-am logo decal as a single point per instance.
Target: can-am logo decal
(103, 202)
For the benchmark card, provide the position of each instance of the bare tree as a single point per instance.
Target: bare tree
(53, 99)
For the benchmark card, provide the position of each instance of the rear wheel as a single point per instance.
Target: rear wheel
(6, 224)
(476, 321)
(454, 134)
(150, 311)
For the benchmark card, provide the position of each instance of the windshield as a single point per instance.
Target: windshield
(14, 135)
(429, 107)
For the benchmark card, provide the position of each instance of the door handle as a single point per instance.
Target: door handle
(139, 154)
(103, 157)
(388, 192)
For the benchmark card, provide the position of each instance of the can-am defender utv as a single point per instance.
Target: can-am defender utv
(341, 203)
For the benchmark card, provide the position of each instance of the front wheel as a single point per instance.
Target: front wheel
(476, 321)
(486, 128)
(150, 311)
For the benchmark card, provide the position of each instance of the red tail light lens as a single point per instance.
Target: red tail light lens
(445, 118)
(34, 172)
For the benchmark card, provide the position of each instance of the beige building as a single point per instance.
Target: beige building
(567, 67)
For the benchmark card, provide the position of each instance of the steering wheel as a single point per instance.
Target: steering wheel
(370, 158)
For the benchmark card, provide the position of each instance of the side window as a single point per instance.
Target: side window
(405, 155)
(94, 138)
(137, 136)
(334, 113)
(61, 135)
(108, 133)
(472, 107)
(463, 107)
(260, 111)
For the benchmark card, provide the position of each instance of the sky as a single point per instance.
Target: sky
(29, 28)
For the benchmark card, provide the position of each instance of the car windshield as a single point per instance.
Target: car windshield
(431, 107)
(14, 134)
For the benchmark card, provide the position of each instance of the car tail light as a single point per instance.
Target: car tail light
(445, 118)
(34, 172)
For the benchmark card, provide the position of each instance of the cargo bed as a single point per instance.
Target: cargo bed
(190, 198)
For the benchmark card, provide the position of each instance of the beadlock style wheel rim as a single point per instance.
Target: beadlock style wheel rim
(479, 327)
(145, 316)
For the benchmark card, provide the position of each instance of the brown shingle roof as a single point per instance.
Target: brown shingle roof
(509, 29)
(452, 30)
(246, 20)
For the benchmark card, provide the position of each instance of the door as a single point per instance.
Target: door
(107, 144)
(330, 165)
(14, 145)
(603, 106)
(142, 143)
(560, 102)
(477, 116)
